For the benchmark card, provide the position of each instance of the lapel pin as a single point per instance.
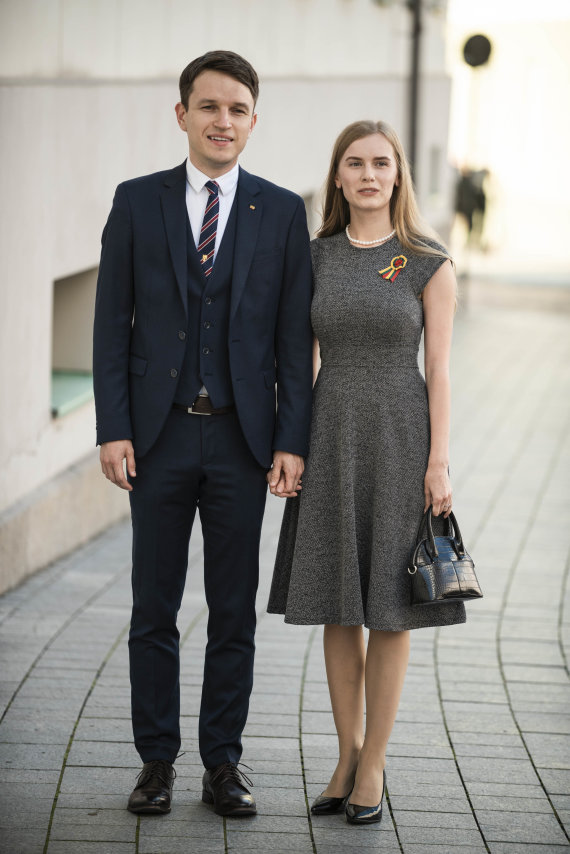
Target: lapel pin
(252, 207)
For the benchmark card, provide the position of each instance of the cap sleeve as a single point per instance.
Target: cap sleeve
(426, 266)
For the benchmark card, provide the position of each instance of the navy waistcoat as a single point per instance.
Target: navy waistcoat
(206, 360)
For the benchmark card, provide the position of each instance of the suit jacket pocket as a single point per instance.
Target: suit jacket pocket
(137, 365)
(270, 378)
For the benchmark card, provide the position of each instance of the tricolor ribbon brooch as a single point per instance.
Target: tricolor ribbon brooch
(397, 264)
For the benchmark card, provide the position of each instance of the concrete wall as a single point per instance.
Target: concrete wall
(87, 91)
(150, 39)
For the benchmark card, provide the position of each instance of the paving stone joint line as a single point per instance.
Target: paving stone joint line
(507, 404)
(561, 605)
(450, 739)
(80, 610)
(308, 649)
(549, 470)
(72, 736)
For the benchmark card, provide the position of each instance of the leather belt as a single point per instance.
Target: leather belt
(203, 406)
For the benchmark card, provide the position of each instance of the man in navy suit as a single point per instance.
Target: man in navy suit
(202, 373)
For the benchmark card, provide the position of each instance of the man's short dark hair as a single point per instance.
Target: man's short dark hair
(224, 61)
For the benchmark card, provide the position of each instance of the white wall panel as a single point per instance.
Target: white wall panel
(142, 39)
(90, 38)
(30, 38)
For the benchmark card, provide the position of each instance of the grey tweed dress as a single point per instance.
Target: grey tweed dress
(345, 541)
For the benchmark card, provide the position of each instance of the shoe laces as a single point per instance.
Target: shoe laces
(229, 772)
(158, 771)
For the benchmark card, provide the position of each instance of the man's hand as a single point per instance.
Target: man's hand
(112, 455)
(284, 478)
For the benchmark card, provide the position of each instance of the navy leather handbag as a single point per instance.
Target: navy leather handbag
(441, 569)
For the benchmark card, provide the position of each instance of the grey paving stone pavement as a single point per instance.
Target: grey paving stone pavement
(479, 760)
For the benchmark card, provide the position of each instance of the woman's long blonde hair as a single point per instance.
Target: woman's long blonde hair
(411, 231)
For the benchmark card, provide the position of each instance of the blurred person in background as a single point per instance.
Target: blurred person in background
(202, 310)
(471, 204)
(379, 451)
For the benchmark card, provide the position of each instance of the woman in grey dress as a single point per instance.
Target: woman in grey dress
(378, 455)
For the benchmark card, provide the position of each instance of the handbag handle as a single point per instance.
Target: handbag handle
(456, 535)
(452, 531)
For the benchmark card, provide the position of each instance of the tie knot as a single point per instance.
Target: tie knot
(212, 188)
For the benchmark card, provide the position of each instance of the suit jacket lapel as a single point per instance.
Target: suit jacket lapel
(173, 202)
(249, 212)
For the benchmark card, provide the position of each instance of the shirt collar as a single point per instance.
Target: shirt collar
(197, 180)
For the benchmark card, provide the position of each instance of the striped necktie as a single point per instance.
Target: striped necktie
(207, 242)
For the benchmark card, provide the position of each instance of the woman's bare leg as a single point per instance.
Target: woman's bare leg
(386, 665)
(345, 656)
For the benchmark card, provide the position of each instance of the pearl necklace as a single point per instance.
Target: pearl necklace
(370, 242)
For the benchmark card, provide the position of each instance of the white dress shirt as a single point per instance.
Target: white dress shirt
(197, 198)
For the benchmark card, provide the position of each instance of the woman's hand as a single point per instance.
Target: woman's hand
(437, 489)
(284, 478)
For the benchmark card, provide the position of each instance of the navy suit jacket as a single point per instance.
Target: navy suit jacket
(142, 302)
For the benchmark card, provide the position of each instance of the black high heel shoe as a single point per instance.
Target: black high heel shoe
(325, 805)
(356, 814)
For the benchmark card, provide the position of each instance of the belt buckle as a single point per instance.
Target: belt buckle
(192, 411)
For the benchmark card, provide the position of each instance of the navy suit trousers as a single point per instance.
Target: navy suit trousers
(197, 462)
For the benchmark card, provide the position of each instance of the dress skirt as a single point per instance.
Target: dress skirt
(346, 540)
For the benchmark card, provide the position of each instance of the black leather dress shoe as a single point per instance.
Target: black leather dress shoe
(325, 805)
(356, 814)
(153, 792)
(223, 787)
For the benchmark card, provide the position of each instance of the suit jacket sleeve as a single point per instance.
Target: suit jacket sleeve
(114, 308)
(294, 342)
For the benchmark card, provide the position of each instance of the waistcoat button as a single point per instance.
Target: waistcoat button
(205, 350)
(173, 372)
(182, 335)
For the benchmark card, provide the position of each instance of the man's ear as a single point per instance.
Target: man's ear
(253, 123)
(180, 111)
